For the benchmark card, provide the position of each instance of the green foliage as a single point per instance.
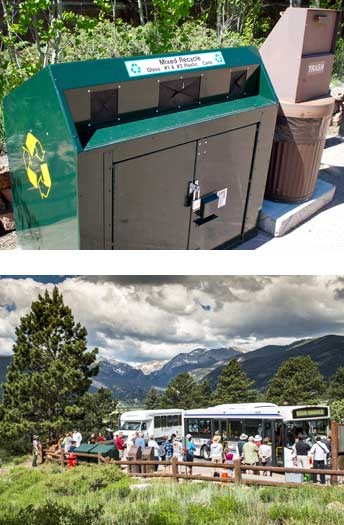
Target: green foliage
(94, 410)
(233, 385)
(184, 392)
(337, 410)
(336, 385)
(31, 495)
(152, 399)
(168, 16)
(50, 373)
(297, 381)
(338, 68)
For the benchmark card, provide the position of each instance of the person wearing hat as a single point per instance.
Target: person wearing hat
(35, 450)
(216, 450)
(250, 452)
(242, 440)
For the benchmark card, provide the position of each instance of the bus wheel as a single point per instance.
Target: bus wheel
(205, 452)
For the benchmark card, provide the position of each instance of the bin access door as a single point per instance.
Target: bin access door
(149, 211)
(222, 175)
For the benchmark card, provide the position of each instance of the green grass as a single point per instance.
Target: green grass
(101, 495)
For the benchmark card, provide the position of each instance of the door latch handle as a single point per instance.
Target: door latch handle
(194, 195)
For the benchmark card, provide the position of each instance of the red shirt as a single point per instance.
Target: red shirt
(119, 442)
(100, 438)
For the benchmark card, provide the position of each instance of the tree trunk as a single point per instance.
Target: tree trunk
(141, 14)
(218, 17)
(11, 47)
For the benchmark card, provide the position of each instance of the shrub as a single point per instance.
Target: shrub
(51, 513)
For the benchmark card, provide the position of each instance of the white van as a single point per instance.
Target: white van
(157, 423)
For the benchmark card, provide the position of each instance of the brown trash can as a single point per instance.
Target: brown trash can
(299, 141)
(147, 455)
(134, 453)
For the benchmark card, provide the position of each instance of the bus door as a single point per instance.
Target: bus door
(280, 443)
(220, 425)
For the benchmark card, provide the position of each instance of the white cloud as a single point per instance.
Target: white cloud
(143, 319)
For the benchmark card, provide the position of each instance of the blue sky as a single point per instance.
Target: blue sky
(138, 319)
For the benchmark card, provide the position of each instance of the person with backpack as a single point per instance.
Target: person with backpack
(300, 451)
(168, 446)
(240, 445)
(190, 449)
(319, 453)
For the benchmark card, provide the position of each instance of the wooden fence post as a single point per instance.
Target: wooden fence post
(175, 468)
(62, 458)
(334, 450)
(237, 471)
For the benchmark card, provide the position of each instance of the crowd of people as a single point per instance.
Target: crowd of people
(251, 450)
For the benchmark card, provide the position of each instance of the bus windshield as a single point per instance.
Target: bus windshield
(131, 425)
(309, 429)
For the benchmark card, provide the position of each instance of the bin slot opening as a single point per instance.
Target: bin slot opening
(180, 92)
(238, 83)
(104, 105)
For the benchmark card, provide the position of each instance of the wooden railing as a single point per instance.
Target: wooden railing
(176, 470)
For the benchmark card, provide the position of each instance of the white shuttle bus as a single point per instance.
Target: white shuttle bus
(281, 424)
(157, 423)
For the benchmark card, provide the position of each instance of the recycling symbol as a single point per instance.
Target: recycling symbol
(219, 58)
(36, 169)
(135, 68)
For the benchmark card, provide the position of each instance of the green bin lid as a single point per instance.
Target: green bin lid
(85, 448)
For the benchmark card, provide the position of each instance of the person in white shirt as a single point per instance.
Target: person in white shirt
(265, 454)
(154, 445)
(77, 437)
(319, 452)
(216, 451)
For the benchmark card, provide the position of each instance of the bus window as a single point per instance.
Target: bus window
(192, 426)
(144, 426)
(163, 421)
(157, 422)
(220, 425)
(234, 429)
(253, 427)
(204, 427)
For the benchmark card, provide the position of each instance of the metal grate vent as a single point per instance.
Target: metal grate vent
(179, 92)
(104, 105)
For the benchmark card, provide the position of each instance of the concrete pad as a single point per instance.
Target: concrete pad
(278, 218)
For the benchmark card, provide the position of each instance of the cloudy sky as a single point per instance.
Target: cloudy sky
(145, 318)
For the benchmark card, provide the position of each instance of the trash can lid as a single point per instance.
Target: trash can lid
(317, 108)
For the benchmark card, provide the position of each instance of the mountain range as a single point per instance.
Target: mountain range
(129, 383)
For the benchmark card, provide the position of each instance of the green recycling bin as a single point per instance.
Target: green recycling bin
(156, 152)
(107, 451)
(85, 448)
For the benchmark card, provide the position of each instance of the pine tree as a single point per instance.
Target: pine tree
(50, 373)
(179, 393)
(153, 399)
(336, 385)
(233, 385)
(297, 381)
(201, 396)
(95, 411)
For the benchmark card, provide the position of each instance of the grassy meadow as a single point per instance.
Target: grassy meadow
(92, 495)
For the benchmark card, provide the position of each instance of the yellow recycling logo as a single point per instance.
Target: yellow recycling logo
(36, 169)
